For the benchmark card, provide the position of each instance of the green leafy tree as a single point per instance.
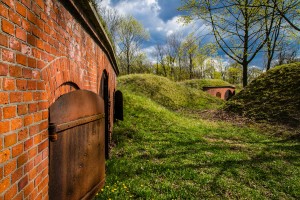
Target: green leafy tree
(131, 34)
(237, 26)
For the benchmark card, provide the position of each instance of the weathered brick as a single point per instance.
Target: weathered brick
(31, 39)
(33, 130)
(8, 27)
(22, 109)
(21, 9)
(31, 17)
(9, 3)
(22, 159)
(26, 50)
(16, 123)
(41, 4)
(19, 196)
(4, 126)
(21, 84)
(11, 193)
(42, 146)
(9, 84)
(32, 62)
(9, 112)
(21, 59)
(32, 153)
(10, 140)
(26, 26)
(27, 96)
(28, 120)
(30, 164)
(43, 126)
(37, 117)
(21, 34)
(22, 183)
(15, 71)
(10, 167)
(3, 11)
(3, 39)
(4, 156)
(31, 85)
(3, 69)
(16, 97)
(23, 134)
(45, 114)
(28, 189)
(28, 144)
(17, 175)
(8, 56)
(32, 107)
(17, 150)
(14, 17)
(27, 73)
(4, 184)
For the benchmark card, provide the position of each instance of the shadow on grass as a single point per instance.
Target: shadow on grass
(262, 166)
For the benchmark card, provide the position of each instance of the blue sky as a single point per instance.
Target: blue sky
(160, 18)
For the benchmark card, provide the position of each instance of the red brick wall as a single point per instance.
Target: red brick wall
(42, 47)
(221, 90)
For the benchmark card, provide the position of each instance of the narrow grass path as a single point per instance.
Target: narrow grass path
(160, 154)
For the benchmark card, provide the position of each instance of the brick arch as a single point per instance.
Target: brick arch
(60, 77)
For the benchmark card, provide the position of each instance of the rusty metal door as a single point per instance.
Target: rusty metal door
(77, 146)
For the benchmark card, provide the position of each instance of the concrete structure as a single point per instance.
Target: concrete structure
(47, 48)
(223, 92)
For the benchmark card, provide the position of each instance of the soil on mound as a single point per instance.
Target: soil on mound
(274, 97)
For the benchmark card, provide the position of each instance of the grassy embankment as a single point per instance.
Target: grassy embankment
(163, 154)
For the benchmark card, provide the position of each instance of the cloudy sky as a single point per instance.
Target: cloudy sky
(161, 18)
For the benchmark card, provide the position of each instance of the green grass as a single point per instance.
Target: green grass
(162, 154)
(168, 93)
(200, 83)
(274, 97)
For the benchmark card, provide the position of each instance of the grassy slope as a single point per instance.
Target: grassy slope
(160, 154)
(200, 83)
(274, 96)
(168, 93)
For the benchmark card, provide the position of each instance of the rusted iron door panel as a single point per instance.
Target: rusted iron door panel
(77, 157)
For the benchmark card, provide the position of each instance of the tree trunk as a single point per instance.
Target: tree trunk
(128, 64)
(191, 66)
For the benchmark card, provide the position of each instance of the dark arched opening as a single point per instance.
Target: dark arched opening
(218, 95)
(228, 94)
(105, 94)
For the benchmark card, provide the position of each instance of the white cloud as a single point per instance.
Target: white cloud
(148, 13)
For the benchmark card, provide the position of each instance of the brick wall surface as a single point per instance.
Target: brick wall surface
(221, 90)
(44, 53)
